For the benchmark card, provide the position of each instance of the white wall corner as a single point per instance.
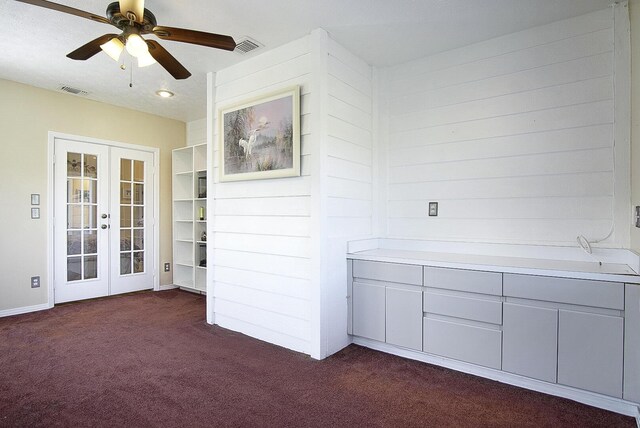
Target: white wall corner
(380, 135)
(211, 143)
(319, 242)
(622, 128)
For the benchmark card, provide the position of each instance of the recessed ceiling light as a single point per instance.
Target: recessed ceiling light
(164, 93)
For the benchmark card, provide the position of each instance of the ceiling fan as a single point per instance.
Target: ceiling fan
(134, 20)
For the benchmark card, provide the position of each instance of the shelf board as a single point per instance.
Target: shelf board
(184, 173)
(201, 221)
(184, 264)
(201, 242)
(201, 267)
(183, 200)
(199, 199)
(185, 240)
(183, 221)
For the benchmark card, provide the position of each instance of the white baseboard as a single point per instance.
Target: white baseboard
(167, 287)
(616, 405)
(24, 310)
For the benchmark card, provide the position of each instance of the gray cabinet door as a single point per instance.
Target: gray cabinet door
(368, 311)
(473, 344)
(404, 318)
(632, 343)
(530, 341)
(590, 352)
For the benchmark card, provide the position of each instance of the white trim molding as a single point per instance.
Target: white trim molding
(24, 310)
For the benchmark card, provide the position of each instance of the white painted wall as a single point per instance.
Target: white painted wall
(261, 263)
(197, 132)
(513, 137)
(349, 178)
(277, 268)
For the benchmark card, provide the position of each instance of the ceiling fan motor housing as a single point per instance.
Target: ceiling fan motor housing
(123, 22)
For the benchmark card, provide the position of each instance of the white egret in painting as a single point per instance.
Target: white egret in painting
(247, 146)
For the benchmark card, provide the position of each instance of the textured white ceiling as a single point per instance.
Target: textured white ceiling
(35, 41)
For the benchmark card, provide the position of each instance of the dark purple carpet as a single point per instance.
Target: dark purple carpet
(149, 359)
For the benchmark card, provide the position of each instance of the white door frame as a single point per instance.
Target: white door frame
(52, 136)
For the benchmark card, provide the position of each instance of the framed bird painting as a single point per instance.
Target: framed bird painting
(260, 138)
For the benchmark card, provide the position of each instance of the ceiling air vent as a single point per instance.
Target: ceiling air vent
(72, 90)
(247, 45)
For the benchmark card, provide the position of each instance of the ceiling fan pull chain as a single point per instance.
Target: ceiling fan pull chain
(131, 74)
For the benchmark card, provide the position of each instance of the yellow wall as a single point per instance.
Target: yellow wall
(27, 114)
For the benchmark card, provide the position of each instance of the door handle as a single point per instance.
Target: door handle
(104, 226)
(104, 216)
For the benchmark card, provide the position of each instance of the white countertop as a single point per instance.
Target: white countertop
(615, 272)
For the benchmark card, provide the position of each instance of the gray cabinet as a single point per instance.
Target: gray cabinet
(590, 352)
(632, 343)
(464, 342)
(369, 311)
(404, 317)
(387, 303)
(530, 341)
(568, 331)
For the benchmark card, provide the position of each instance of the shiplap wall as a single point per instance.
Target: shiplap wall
(261, 264)
(349, 177)
(197, 132)
(513, 137)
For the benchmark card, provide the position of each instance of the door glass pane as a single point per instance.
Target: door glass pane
(131, 216)
(74, 164)
(74, 269)
(138, 194)
(125, 216)
(90, 166)
(74, 217)
(138, 171)
(125, 193)
(82, 216)
(125, 239)
(90, 241)
(74, 190)
(90, 217)
(138, 262)
(74, 244)
(90, 267)
(138, 216)
(125, 263)
(125, 169)
(90, 191)
(138, 239)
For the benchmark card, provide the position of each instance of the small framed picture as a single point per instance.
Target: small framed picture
(35, 199)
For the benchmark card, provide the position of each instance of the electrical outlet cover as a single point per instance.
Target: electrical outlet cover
(433, 209)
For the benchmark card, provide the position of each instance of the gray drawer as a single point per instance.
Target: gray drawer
(600, 294)
(468, 343)
(489, 311)
(464, 280)
(388, 272)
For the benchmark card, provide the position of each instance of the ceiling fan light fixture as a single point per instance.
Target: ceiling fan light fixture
(163, 93)
(136, 45)
(145, 60)
(113, 48)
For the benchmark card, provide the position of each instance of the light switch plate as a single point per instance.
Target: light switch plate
(637, 216)
(433, 209)
(35, 212)
(167, 267)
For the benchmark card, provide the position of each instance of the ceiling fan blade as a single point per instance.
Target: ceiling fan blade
(90, 49)
(195, 37)
(134, 6)
(167, 60)
(66, 9)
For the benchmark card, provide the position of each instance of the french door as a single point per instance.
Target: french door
(103, 237)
